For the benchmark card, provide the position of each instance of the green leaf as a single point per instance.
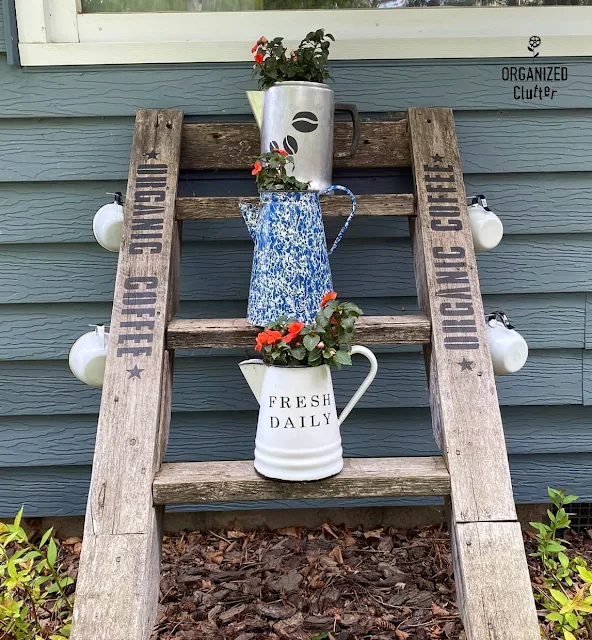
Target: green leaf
(568, 635)
(569, 499)
(539, 526)
(342, 357)
(311, 340)
(554, 617)
(572, 619)
(585, 574)
(18, 518)
(554, 547)
(52, 552)
(45, 536)
(559, 597)
(299, 352)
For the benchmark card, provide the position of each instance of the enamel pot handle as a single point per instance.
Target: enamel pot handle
(338, 187)
(367, 381)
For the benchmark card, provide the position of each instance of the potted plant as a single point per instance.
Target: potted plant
(298, 434)
(291, 271)
(297, 110)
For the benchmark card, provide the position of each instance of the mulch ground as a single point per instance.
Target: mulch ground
(299, 585)
(330, 583)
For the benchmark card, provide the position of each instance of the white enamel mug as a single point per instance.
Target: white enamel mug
(486, 227)
(88, 356)
(508, 348)
(108, 224)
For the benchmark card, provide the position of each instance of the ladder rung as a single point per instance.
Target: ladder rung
(235, 145)
(207, 482)
(235, 332)
(389, 204)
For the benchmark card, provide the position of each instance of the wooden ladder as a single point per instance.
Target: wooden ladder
(118, 582)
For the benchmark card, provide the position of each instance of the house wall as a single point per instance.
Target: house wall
(65, 138)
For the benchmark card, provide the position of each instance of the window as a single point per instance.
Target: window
(67, 32)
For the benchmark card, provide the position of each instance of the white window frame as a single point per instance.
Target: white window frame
(55, 32)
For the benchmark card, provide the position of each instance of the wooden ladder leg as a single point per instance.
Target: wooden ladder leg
(493, 584)
(118, 581)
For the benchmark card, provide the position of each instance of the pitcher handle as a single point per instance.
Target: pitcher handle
(338, 187)
(367, 381)
(353, 112)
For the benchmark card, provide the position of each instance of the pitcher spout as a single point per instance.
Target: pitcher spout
(256, 99)
(251, 217)
(254, 372)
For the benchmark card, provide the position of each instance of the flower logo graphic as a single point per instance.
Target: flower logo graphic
(533, 43)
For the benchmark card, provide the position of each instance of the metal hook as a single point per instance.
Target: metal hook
(481, 200)
(118, 197)
(501, 317)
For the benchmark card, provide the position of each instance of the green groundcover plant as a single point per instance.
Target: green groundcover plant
(34, 604)
(563, 591)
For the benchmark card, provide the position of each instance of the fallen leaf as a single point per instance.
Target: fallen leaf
(401, 635)
(215, 557)
(439, 612)
(293, 532)
(235, 535)
(336, 555)
(375, 533)
(349, 541)
(71, 541)
(327, 529)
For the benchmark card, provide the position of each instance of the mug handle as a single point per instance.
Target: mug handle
(367, 381)
(353, 112)
(338, 187)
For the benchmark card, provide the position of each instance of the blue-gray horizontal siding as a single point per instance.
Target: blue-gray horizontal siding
(65, 140)
(550, 377)
(223, 435)
(541, 203)
(47, 331)
(62, 490)
(378, 267)
(219, 89)
(53, 149)
(2, 38)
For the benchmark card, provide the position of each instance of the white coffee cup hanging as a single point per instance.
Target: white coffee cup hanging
(108, 224)
(486, 227)
(88, 356)
(509, 350)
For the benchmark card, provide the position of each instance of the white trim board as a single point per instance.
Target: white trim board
(64, 37)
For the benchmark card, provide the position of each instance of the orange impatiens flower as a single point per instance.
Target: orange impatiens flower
(259, 58)
(293, 330)
(267, 337)
(328, 297)
(262, 40)
(257, 167)
(282, 152)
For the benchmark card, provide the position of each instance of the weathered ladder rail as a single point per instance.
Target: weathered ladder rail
(118, 581)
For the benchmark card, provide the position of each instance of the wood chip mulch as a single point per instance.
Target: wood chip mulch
(331, 583)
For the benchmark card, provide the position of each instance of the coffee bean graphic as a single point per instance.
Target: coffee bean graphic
(273, 145)
(290, 145)
(305, 122)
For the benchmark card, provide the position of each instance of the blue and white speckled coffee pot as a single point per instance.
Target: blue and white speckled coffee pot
(291, 271)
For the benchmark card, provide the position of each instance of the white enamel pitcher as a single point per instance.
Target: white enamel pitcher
(298, 434)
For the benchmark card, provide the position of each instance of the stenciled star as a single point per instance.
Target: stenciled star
(135, 372)
(466, 365)
(152, 155)
(437, 158)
